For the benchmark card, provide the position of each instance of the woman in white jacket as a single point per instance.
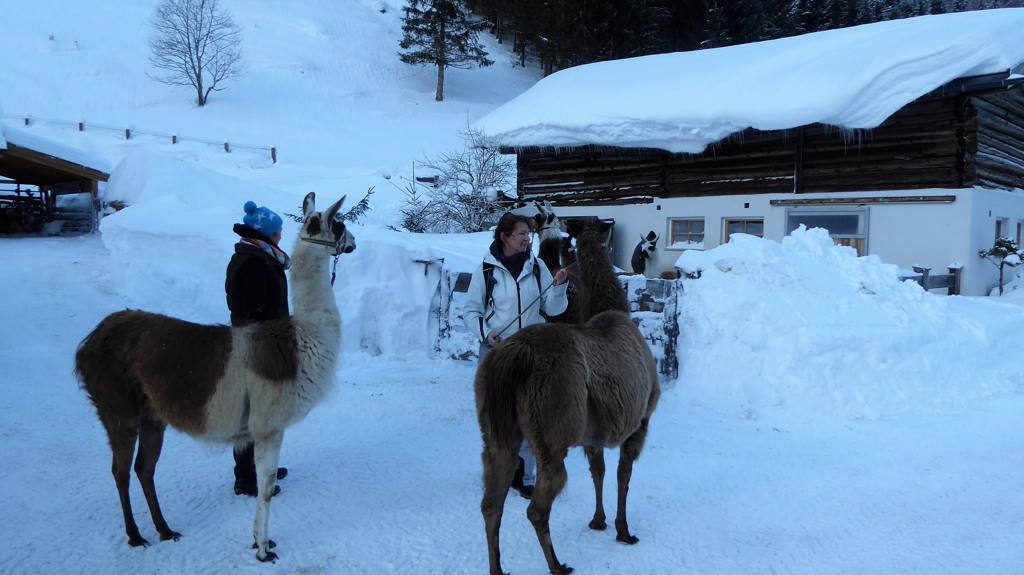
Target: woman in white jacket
(520, 288)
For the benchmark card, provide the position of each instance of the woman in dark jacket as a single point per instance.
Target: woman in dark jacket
(257, 290)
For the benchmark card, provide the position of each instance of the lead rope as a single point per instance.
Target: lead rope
(334, 269)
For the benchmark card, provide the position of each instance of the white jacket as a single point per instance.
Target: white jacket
(510, 298)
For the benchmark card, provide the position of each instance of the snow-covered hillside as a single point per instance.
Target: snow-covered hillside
(323, 84)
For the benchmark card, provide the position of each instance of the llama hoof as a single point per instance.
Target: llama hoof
(270, 544)
(137, 541)
(598, 524)
(627, 539)
(171, 536)
(563, 569)
(270, 557)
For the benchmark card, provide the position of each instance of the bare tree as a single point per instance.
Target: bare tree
(465, 191)
(197, 44)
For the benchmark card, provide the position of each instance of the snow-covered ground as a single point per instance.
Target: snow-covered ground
(386, 474)
(827, 419)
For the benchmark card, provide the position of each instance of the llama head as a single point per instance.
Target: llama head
(326, 228)
(590, 230)
(649, 243)
(546, 222)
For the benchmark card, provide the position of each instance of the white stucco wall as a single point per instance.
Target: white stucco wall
(986, 207)
(933, 235)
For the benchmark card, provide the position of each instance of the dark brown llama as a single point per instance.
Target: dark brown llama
(145, 371)
(560, 385)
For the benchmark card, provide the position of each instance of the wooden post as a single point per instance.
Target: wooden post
(444, 305)
(26, 120)
(174, 139)
(954, 284)
(227, 147)
(127, 134)
(81, 126)
(925, 272)
(273, 155)
(798, 162)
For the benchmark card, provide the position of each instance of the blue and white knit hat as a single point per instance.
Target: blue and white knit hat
(261, 219)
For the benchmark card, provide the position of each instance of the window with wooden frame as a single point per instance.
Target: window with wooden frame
(999, 227)
(846, 227)
(686, 233)
(752, 226)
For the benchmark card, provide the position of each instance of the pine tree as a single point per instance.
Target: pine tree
(937, 7)
(1003, 253)
(746, 20)
(441, 33)
(715, 34)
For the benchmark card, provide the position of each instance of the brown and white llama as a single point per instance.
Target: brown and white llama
(562, 385)
(555, 252)
(144, 371)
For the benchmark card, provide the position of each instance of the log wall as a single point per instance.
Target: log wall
(939, 141)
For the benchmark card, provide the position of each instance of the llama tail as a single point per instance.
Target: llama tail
(99, 368)
(497, 380)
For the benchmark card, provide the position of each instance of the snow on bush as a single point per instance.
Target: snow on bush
(808, 325)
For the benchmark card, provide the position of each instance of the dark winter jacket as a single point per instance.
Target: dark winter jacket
(256, 285)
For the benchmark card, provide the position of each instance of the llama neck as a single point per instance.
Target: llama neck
(601, 290)
(312, 297)
(549, 252)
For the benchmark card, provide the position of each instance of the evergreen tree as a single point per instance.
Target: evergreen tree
(937, 7)
(746, 20)
(959, 5)
(441, 33)
(715, 33)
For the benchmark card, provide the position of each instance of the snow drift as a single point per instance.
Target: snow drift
(807, 325)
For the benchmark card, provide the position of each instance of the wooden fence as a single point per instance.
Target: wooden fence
(948, 281)
(129, 133)
(653, 303)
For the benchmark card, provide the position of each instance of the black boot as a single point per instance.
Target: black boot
(525, 491)
(245, 472)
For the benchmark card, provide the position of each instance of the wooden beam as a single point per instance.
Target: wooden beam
(866, 200)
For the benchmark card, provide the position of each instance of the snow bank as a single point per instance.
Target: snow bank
(852, 77)
(172, 244)
(808, 325)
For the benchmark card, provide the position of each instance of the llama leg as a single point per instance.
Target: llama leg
(122, 443)
(595, 455)
(628, 453)
(267, 451)
(151, 442)
(551, 478)
(498, 471)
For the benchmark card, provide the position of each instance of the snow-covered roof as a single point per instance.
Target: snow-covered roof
(24, 139)
(852, 77)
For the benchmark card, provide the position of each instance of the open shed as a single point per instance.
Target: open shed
(47, 185)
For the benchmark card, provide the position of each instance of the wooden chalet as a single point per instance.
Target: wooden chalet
(969, 132)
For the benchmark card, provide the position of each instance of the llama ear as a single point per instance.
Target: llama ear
(309, 205)
(333, 210)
